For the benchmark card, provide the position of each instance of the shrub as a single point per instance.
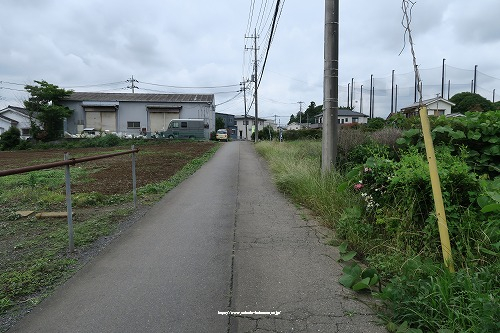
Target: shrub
(10, 138)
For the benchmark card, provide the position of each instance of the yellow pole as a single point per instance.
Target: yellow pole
(436, 190)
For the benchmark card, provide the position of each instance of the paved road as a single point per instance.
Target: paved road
(224, 240)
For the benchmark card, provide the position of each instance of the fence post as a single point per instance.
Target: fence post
(134, 190)
(68, 205)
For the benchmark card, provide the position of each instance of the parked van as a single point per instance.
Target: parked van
(185, 129)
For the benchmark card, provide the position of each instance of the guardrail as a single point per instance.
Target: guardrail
(73, 161)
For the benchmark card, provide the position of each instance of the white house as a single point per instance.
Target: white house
(435, 107)
(345, 116)
(17, 117)
(134, 114)
(293, 127)
(246, 126)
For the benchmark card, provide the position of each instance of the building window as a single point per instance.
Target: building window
(355, 120)
(134, 124)
(25, 131)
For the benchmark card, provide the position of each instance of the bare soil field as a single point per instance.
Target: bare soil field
(154, 163)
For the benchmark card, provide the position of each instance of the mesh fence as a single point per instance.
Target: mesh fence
(404, 93)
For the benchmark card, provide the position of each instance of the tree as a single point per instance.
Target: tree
(292, 119)
(466, 101)
(219, 123)
(42, 105)
(374, 124)
(312, 111)
(10, 138)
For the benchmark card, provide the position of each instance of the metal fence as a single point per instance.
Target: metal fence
(67, 162)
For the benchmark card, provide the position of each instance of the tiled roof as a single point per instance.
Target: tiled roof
(130, 97)
(16, 108)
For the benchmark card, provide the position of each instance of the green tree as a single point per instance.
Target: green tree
(10, 138)
(292, 119)
(219, 123)
(312, 111)
(42, 106)
(374, 124)
(466, 101)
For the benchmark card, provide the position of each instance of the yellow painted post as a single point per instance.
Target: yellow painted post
(436, 190)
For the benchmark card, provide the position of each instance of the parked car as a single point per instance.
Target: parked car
(221, 135)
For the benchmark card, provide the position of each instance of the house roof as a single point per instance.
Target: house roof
(12, 121)
(249, 117)
(130, 97)
(346, 113)
(16, 109)
(428, 102)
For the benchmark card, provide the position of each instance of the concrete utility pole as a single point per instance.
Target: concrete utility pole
(132, 82)
(256, 83)
(300, 112)
(245, 105)
(330, 89)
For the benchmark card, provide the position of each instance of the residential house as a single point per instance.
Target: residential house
(435, 107)
(229, 124)
(134, 114)
(293, 127)
(17, 117)
(246, 126)
(345, 116)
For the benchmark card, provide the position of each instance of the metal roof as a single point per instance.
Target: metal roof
(130, 97)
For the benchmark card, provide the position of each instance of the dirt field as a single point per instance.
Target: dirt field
(154, 163)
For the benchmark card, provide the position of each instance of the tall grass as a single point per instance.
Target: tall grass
(296, 167)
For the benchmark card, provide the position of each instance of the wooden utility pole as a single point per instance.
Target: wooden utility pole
(330, 89)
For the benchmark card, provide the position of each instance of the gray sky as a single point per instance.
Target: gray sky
(83, 45)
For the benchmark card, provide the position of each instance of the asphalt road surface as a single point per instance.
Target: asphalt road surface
(222, 252)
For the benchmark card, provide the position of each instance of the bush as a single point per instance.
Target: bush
(303, 134)
(10, 138)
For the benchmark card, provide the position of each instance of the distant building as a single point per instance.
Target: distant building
(246, 126)
(293, 127)
(229, 124)
(435, 107)
(16, 117)
(134, 114)
(345, 116)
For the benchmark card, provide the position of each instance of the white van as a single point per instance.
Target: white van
(185, 129)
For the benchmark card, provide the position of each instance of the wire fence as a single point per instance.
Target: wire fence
(388, 96)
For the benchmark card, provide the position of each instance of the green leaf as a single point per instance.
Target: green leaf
(482, 249)
(348, 256)
(363, 284)
(457, 135)
(353, 270)
(374, 280)
(403, 328)
(483, 201)
(347, 280)
(343, 247)
(445, 330)
(369, 272)
(495, 207)
(342, 187)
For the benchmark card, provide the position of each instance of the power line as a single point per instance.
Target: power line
(190, 87)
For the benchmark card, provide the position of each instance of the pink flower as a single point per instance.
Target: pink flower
(358, 186)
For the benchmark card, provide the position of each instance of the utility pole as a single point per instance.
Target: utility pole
(245, 105)
(132, 86)
(330, 89)
(300, 113)
(442, 80)
(255, 81)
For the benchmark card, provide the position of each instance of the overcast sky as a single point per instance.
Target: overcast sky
(83, 45)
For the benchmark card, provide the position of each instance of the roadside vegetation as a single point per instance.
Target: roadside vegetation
(379, 202)
(34, 251)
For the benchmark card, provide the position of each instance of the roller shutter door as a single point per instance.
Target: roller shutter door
(159, 120)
